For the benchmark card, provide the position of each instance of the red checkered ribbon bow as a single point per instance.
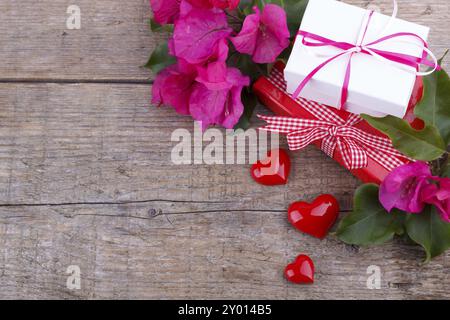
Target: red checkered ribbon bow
(354, 144)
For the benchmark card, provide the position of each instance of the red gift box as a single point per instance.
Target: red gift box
(271, 91)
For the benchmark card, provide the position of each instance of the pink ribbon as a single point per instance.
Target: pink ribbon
(353, 49)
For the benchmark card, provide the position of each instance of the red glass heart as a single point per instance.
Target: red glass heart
(274, 170)
(317, 218)
(301, 271)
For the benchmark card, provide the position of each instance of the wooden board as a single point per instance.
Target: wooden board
(114, 39)
(102, 143)
(112, 44)
(209, 251)
(86, 179)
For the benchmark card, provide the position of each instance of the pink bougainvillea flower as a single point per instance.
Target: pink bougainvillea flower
(200, 35)
(165, 11)
(168, 11)
(206, 4)
(438, 194)
(173, 86)
(225, 4)
(403, 188)
(221, 4)
(211, 94)
(216, 97)
(264, 35)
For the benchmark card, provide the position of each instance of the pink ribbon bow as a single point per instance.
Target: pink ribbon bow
(355, 145)
(399, 58)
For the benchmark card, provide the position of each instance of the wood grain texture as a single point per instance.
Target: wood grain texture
(86, 179)
(112, 44)
(114, 39)
(103, 143)
(204, 253)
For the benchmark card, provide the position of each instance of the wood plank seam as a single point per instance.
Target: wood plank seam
(75, 81)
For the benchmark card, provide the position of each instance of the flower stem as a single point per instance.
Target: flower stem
(234, 17)
(440, 165)
(444, 164)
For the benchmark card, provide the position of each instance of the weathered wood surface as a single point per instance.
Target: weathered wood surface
(112, 44)
(114, 40)
(86, 179)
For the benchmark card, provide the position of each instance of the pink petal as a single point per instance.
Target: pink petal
(268, 48)
(173, 88)
(205, 4)
(214, 76)
(217, 99)
(264, 36)
(275, 19)
(225, 4)
(207, 105)
(413, 202)
(236, 78)
(158, 84)
(273, 36)
(221, 52)
(444, 192)
(186, 68)
(198, 34)
(233, 108)
(245, 41)
(402, 188)
(176, 92)
(398, 176)
(165, 11)
(439, 196)
(444, 208)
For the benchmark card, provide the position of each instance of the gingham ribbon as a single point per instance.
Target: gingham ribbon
(336, 133)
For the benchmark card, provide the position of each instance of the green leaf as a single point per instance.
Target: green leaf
(261, 3)
(160, 58)
(446, 171)
(369, 223)
(284, 56)
(295, 10)
(250, 101)
(246, 6)
(434, 108)
(156, 27)
(425, 145)
(245, 64)
(430, 231)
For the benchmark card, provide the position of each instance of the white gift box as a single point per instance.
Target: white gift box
(376, 88)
